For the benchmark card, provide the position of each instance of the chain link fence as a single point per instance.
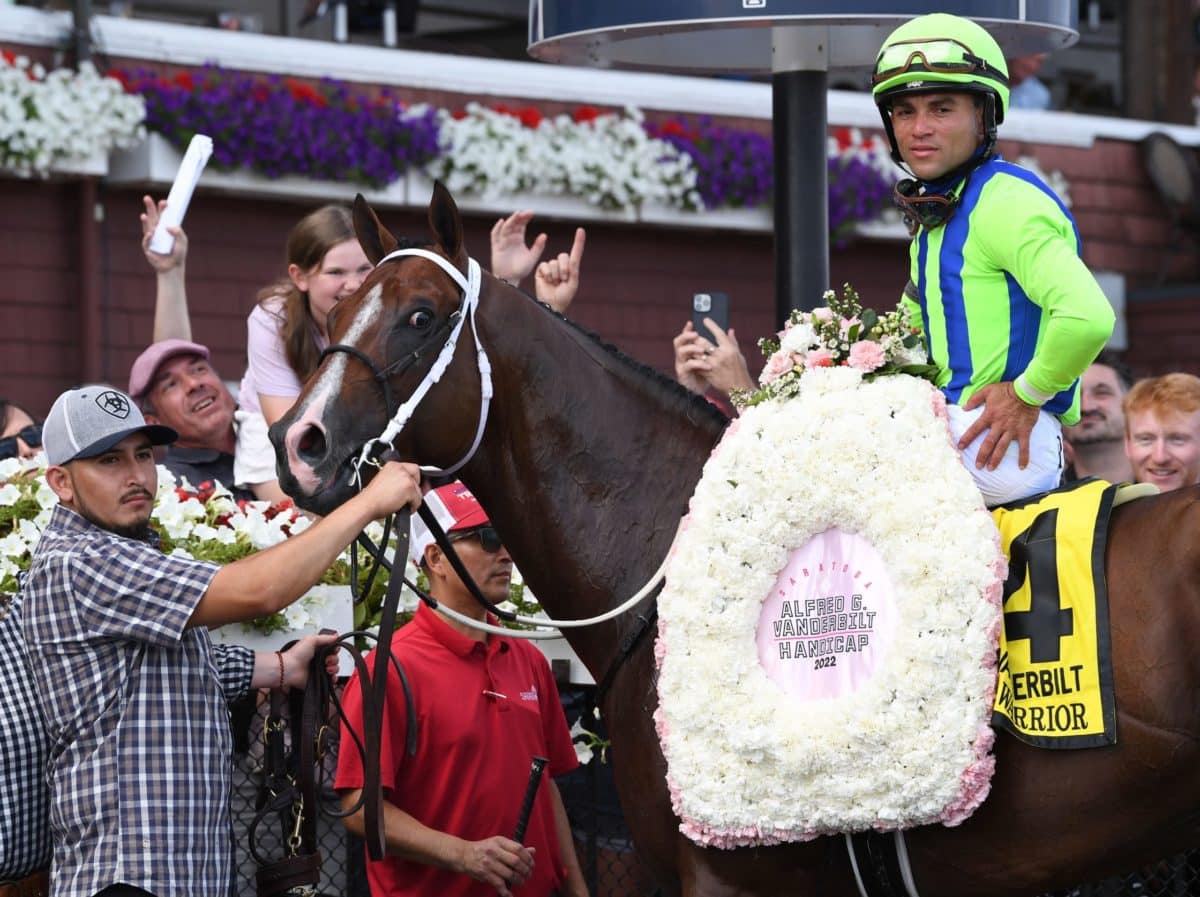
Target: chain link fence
(606, 853)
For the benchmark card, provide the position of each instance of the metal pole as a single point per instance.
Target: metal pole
(800, 122)
(81, 31)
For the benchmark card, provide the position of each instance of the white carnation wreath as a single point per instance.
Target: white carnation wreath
(749, 764)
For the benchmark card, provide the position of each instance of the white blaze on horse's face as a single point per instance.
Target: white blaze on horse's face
(330, 381)
(327, 386)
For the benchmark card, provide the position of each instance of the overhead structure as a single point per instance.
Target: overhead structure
(797, 43)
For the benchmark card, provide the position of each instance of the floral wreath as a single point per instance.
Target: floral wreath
(747, 764)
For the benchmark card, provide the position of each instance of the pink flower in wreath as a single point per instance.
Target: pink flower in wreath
(866, 355)
(777, 365)
(818, 358)
(822, 314)
(847, 323)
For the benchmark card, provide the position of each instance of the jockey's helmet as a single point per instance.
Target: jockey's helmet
(937, 53)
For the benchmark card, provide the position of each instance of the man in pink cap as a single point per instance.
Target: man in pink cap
(486, 705)
(176, 385)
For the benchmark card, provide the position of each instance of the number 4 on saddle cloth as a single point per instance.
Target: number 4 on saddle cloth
(1055, 685)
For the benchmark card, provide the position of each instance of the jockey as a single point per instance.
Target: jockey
(1010, 314)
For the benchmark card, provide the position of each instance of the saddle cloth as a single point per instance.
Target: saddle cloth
(1055, 672)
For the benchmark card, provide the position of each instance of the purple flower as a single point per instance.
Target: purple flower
(279, 126)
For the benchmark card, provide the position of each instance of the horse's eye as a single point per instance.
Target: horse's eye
(420, 319)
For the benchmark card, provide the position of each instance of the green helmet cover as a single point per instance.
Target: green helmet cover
(937, 27)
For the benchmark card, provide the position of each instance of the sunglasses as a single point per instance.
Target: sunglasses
(489, 539)
(943, 55)
(929, 210)
(31, 435)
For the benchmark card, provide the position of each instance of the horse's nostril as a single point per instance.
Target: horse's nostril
(311, 445)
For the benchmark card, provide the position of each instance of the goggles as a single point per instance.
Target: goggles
(31, 435)
(489, 539)
(929, 210)
(940, 55)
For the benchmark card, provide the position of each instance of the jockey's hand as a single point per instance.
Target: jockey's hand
(1005, 418)
(557, 280)
(498, 862)
(512, 260)
(161, 264)
(297, 658)
(727, 369)
(691, 365)
(397, 485)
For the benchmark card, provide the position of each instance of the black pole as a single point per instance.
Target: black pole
(799, 122)
(81, 31)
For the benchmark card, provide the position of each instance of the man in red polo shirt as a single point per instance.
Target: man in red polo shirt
(487, 705)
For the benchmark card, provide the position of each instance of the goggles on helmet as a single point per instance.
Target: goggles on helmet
(928, 210)
(939, 55)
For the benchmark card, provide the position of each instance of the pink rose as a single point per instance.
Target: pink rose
(818, 358)
(847, 323)
(866, 355)
(777, 365)
(822, 314)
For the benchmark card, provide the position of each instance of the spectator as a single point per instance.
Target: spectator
(175, 385)
(1097, 442)
(711, 369)
(173, 380)
(1162, 430)
(486, 704)
(21, 436)
(24, 796)
(1025, 89)
(132, 690)
(288, 330)
(556, 281)
(1009, 312)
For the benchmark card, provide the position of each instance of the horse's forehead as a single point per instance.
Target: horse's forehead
(418, 276)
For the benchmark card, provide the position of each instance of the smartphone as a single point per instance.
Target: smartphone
(710, 305)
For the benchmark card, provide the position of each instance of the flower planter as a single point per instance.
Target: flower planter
(324, 607)
(95, 165)
(154, 162)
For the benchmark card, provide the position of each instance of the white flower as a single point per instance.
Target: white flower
(750, 761)
(63, 115)
(610, 162)
(9, 494)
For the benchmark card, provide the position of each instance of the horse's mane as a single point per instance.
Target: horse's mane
(680, 398)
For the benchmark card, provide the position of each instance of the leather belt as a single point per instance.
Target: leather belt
(35, 885)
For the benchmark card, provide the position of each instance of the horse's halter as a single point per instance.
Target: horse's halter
(400, 418)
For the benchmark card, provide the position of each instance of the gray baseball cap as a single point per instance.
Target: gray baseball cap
(90, 420)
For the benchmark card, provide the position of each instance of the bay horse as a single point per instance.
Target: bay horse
(586, 465)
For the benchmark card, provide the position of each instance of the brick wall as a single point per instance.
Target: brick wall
(637, 280)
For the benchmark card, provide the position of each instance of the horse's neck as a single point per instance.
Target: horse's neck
(587, 467)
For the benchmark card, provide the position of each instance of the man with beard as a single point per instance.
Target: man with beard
(133, 691)
(1097, 442)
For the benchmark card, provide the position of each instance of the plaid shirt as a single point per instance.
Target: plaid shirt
(24, 797)
(135, 707)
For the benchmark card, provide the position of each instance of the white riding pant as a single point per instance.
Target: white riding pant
(1008, 482)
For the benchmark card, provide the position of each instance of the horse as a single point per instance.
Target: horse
(586, 462)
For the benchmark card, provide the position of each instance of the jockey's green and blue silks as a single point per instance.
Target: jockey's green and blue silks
(1003, 295)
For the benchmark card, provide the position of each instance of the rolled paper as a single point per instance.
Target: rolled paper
(190, 168)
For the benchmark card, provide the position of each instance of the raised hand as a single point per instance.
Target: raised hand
(512, 260)
(557, 280)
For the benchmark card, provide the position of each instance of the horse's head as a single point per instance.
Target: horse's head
(384, 340)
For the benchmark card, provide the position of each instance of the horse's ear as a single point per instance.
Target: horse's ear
(375, 239)
(446, 224)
